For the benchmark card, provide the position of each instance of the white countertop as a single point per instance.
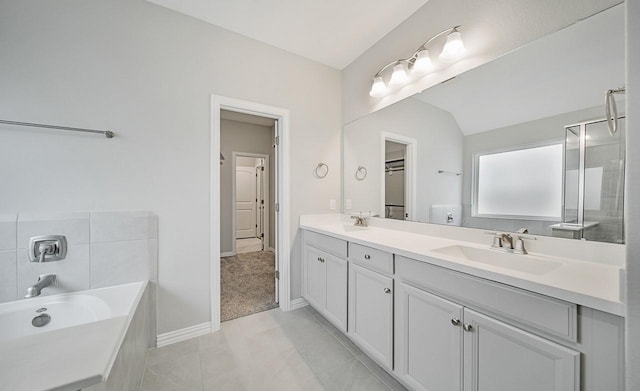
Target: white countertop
(591, 284)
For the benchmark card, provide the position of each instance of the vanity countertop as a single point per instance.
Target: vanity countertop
(591, 284)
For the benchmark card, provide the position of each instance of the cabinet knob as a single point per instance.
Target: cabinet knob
(367, 256)
(319, 259)
(387, 290)
(467, 327)
(455, 321)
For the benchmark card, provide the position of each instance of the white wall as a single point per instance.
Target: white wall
(632, 207)
(439, 148)
(491, 29)
(249, 138)
(147, 73)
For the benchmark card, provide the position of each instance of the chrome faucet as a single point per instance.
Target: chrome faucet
(44, 280)
(360, 221)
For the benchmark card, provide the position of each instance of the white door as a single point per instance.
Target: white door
(371, 313)
(245, 202)
(428, 340)
(500, 357)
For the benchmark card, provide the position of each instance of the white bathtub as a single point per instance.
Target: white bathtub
(79, 345)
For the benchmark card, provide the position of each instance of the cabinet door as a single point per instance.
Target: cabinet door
(315, 278)
(371, 313)
(500, 357)
(336, 296)
(428, 340)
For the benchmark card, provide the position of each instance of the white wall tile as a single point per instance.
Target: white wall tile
(119, 263)
(8, 286)
(73, 225)
(120, 226)
(72, 272)
(8, 231)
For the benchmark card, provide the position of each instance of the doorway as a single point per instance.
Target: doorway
(248, 262)
(280, 199)
(398, 180)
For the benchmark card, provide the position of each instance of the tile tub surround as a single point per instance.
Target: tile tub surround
(590, 273)
(105, 249)
(271, 350)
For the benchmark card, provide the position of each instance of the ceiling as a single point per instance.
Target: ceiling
(331, 32)
(566, 71)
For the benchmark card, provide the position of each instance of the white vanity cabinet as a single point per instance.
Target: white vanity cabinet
(371, 313)
(443, 346)
(428, 340)
(437, 329)
(500, 357)
(325, 277)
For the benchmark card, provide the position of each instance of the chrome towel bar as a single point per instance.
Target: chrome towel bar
(106, 133)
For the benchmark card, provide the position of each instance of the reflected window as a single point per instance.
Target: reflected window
(524, 183)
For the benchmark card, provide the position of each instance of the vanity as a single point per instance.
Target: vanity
(438, 309)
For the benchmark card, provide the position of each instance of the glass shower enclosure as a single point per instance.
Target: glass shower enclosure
(593, 183)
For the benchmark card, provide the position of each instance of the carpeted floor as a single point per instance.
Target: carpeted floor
(248, 284)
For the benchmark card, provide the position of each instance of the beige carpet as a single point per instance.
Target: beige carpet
(248, 284)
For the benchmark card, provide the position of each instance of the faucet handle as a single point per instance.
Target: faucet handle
(518, 247)
(497, 241)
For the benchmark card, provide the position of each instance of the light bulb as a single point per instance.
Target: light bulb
(423, 62)
(378, 88)
(399, 75)
(453, 48)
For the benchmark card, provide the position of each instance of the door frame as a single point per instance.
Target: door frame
(410, 171)
(282, 223)
(266, 178)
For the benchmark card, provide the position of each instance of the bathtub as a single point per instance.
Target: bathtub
(77, 344)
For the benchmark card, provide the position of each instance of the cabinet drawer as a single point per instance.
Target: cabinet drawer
(527, 309)
(326, 243)
(370, 257)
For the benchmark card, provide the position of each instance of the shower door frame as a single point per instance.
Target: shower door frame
(581, 167)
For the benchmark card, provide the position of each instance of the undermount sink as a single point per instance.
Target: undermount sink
(518, 262)
(353, 228)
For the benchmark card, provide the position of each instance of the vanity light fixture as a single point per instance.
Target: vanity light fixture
(419, 63)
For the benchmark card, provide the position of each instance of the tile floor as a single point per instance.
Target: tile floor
(248, 245)
(271, 350)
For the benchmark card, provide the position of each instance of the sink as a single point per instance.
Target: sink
(517, 262)
(353, 228)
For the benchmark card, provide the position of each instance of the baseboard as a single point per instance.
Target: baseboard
(273, 250)
(297, 303)
(229, 254)
(183, 334)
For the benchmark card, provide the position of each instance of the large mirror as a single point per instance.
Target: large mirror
(520, 142)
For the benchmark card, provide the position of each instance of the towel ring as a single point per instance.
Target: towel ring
(361, 173)
(321, 172)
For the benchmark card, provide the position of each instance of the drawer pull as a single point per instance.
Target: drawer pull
(455, 321)
(467, 327)
(367, 256)
(387, 290)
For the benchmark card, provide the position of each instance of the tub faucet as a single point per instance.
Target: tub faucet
(44, 280)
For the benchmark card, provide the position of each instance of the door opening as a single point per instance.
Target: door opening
(279, 241)
(247, 233)
(398, 181)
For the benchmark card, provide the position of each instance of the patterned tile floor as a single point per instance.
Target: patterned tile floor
(271, 350)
